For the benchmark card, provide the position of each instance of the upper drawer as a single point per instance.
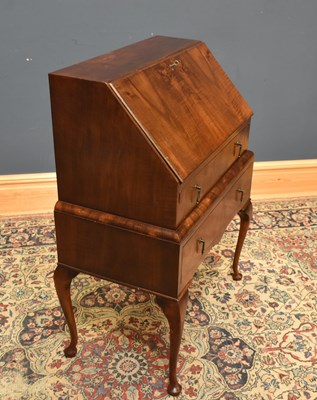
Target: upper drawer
(202, 180)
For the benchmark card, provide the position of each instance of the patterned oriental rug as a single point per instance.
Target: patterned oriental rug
(253, 339)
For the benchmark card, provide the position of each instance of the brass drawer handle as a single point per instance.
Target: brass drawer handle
(202, 242)
(241, 192)
(198, 190)
(239, 144)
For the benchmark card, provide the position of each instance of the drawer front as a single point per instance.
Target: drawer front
(197, 185)
(210, 230)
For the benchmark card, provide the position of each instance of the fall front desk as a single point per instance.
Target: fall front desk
(151, 150)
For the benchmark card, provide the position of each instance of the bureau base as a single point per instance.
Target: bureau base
(174, 307)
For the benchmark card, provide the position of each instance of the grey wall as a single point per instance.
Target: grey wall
(268, 48)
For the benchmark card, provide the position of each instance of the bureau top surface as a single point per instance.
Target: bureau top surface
(126, 60)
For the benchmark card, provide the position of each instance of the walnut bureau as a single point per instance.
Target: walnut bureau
(151, 150)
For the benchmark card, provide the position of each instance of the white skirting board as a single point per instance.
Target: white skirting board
(272, 180)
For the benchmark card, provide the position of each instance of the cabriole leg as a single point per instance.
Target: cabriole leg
(62, 278)
(174, 311)
(245, 218)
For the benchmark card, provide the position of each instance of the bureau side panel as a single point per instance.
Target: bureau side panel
(118, 254)
(103, 160)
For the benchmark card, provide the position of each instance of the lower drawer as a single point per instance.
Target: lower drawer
(210, 230)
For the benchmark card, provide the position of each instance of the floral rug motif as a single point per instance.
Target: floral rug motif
(249, 340)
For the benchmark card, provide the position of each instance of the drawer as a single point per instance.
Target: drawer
(199, 183)
(209, 231)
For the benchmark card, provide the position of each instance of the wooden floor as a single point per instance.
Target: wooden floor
(37, 193)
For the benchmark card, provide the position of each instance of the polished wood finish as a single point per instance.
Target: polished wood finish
(152, 160)
(174, 120)
(177, 92)
(62, 279)
(175, 311)
(245, 218)
(92, 241)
